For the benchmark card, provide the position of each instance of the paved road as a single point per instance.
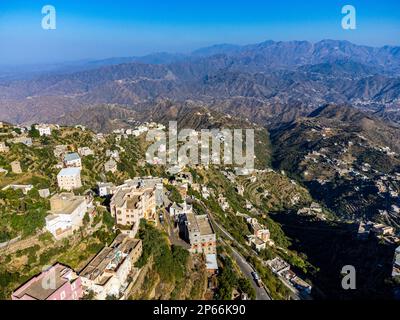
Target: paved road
(247, 269)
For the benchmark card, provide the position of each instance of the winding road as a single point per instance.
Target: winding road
(245, 267)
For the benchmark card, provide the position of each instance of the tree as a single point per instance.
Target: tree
(174, 194)
(34, 133)
(86, 218)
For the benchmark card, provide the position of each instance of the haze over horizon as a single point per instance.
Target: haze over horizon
(95, 31)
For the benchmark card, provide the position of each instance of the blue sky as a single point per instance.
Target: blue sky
(90, 29)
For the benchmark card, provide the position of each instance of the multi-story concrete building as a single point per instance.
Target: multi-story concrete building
(131, 204)
(57, 283)
(149, 182)
(66, 214)
(109, 272)
(72, 160)
(259, 230)
(200, 234)
(69, 179)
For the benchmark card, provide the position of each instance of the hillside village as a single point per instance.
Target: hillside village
(87, 209)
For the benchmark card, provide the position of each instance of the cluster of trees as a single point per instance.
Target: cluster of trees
(169, 261)
(6, 280)
(229, 280)
(23, 215)
(174, 194)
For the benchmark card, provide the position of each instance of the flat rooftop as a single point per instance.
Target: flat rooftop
(66, 203)
(211, 262)
(69, 172)
(109, 259)
(71, 157)
(199, 223)
(37, 290)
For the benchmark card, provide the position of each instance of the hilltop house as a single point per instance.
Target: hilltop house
(149, 182)
(57, 283)
(66, 214)
(112, 154)
(177, 210)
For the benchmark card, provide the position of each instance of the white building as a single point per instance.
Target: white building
(44, 130)
(72, 160)
(105, 188)
(200, 234)
(69, 179)
(66, 214)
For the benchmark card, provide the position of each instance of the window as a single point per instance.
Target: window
(62, 295)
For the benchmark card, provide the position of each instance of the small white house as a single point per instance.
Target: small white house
(105, 188)
(66, 214)
(44, 130)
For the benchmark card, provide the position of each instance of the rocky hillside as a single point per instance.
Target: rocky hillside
(280, 78)
(346, 158)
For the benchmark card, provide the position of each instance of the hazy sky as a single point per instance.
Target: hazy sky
(95, 29)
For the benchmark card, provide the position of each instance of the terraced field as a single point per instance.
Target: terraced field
(273, 191)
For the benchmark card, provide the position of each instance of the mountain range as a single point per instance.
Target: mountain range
(268, 82)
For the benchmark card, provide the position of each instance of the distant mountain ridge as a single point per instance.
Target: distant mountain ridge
(262, 81)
